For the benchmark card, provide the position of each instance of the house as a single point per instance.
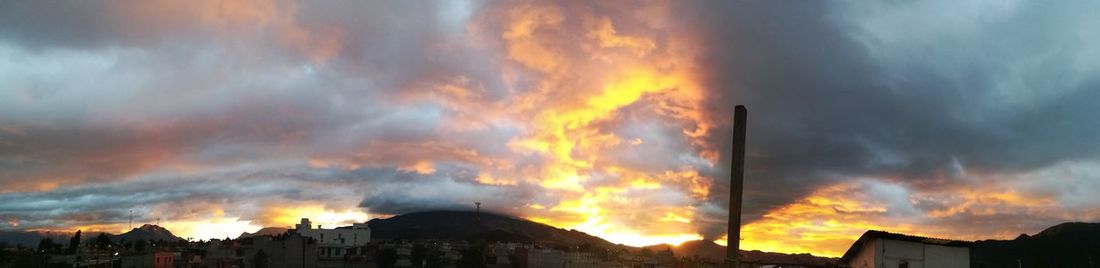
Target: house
(157, 259)
(287, 250)
(878, 249)
(339, 242)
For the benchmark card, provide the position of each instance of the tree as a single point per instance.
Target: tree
(102, 242)
(47, 246)
(73, 243)
(385, 258)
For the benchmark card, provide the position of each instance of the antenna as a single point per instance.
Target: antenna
(131, 219)
(478, 211)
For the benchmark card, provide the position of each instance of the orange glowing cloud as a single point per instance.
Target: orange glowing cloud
(828, 220)
(584, 72)
(825, 223)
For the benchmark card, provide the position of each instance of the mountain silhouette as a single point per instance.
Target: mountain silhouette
(1073, 244)
(148, 232)
(471, 226)
(266, 231)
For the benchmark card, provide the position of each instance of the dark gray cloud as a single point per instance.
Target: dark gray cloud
(907, 92)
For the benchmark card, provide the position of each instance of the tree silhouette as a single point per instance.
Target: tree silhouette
(102, 242)
(73, 243)
(47, 246)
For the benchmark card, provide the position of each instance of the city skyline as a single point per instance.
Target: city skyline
(955, 120)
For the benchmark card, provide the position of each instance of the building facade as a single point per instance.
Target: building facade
(336, 243)
(878, 249)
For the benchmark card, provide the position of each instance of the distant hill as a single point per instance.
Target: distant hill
(464, 225)
(1074, 244)
(31, 238)
(266, 231)
(710, 251)
(146, 232)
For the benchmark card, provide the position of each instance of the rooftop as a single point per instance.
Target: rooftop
(872, 234)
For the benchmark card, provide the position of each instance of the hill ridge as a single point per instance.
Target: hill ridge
(470, 225)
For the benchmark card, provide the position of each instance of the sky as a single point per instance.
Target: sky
(962, 120)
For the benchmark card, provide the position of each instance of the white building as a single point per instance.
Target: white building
(878, 249)
(336, 243)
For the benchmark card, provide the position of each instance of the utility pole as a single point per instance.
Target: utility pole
(737, 178)
(478, 211)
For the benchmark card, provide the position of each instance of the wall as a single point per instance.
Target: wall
(895, 252)
(343, 237)
(946, 257)
(865, 258)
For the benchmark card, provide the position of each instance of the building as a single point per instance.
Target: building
(222, 254)
(287, 250)
(339, 242)
(136, 261)
(545, 258)
(158, 259)
(878, 249)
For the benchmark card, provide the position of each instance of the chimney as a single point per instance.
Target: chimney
(737, 178)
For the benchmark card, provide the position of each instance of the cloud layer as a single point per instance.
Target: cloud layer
(611, 118)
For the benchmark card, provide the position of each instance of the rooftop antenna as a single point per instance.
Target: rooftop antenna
(478, 211)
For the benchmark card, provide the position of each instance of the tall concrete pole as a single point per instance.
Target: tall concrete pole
(737, 178)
